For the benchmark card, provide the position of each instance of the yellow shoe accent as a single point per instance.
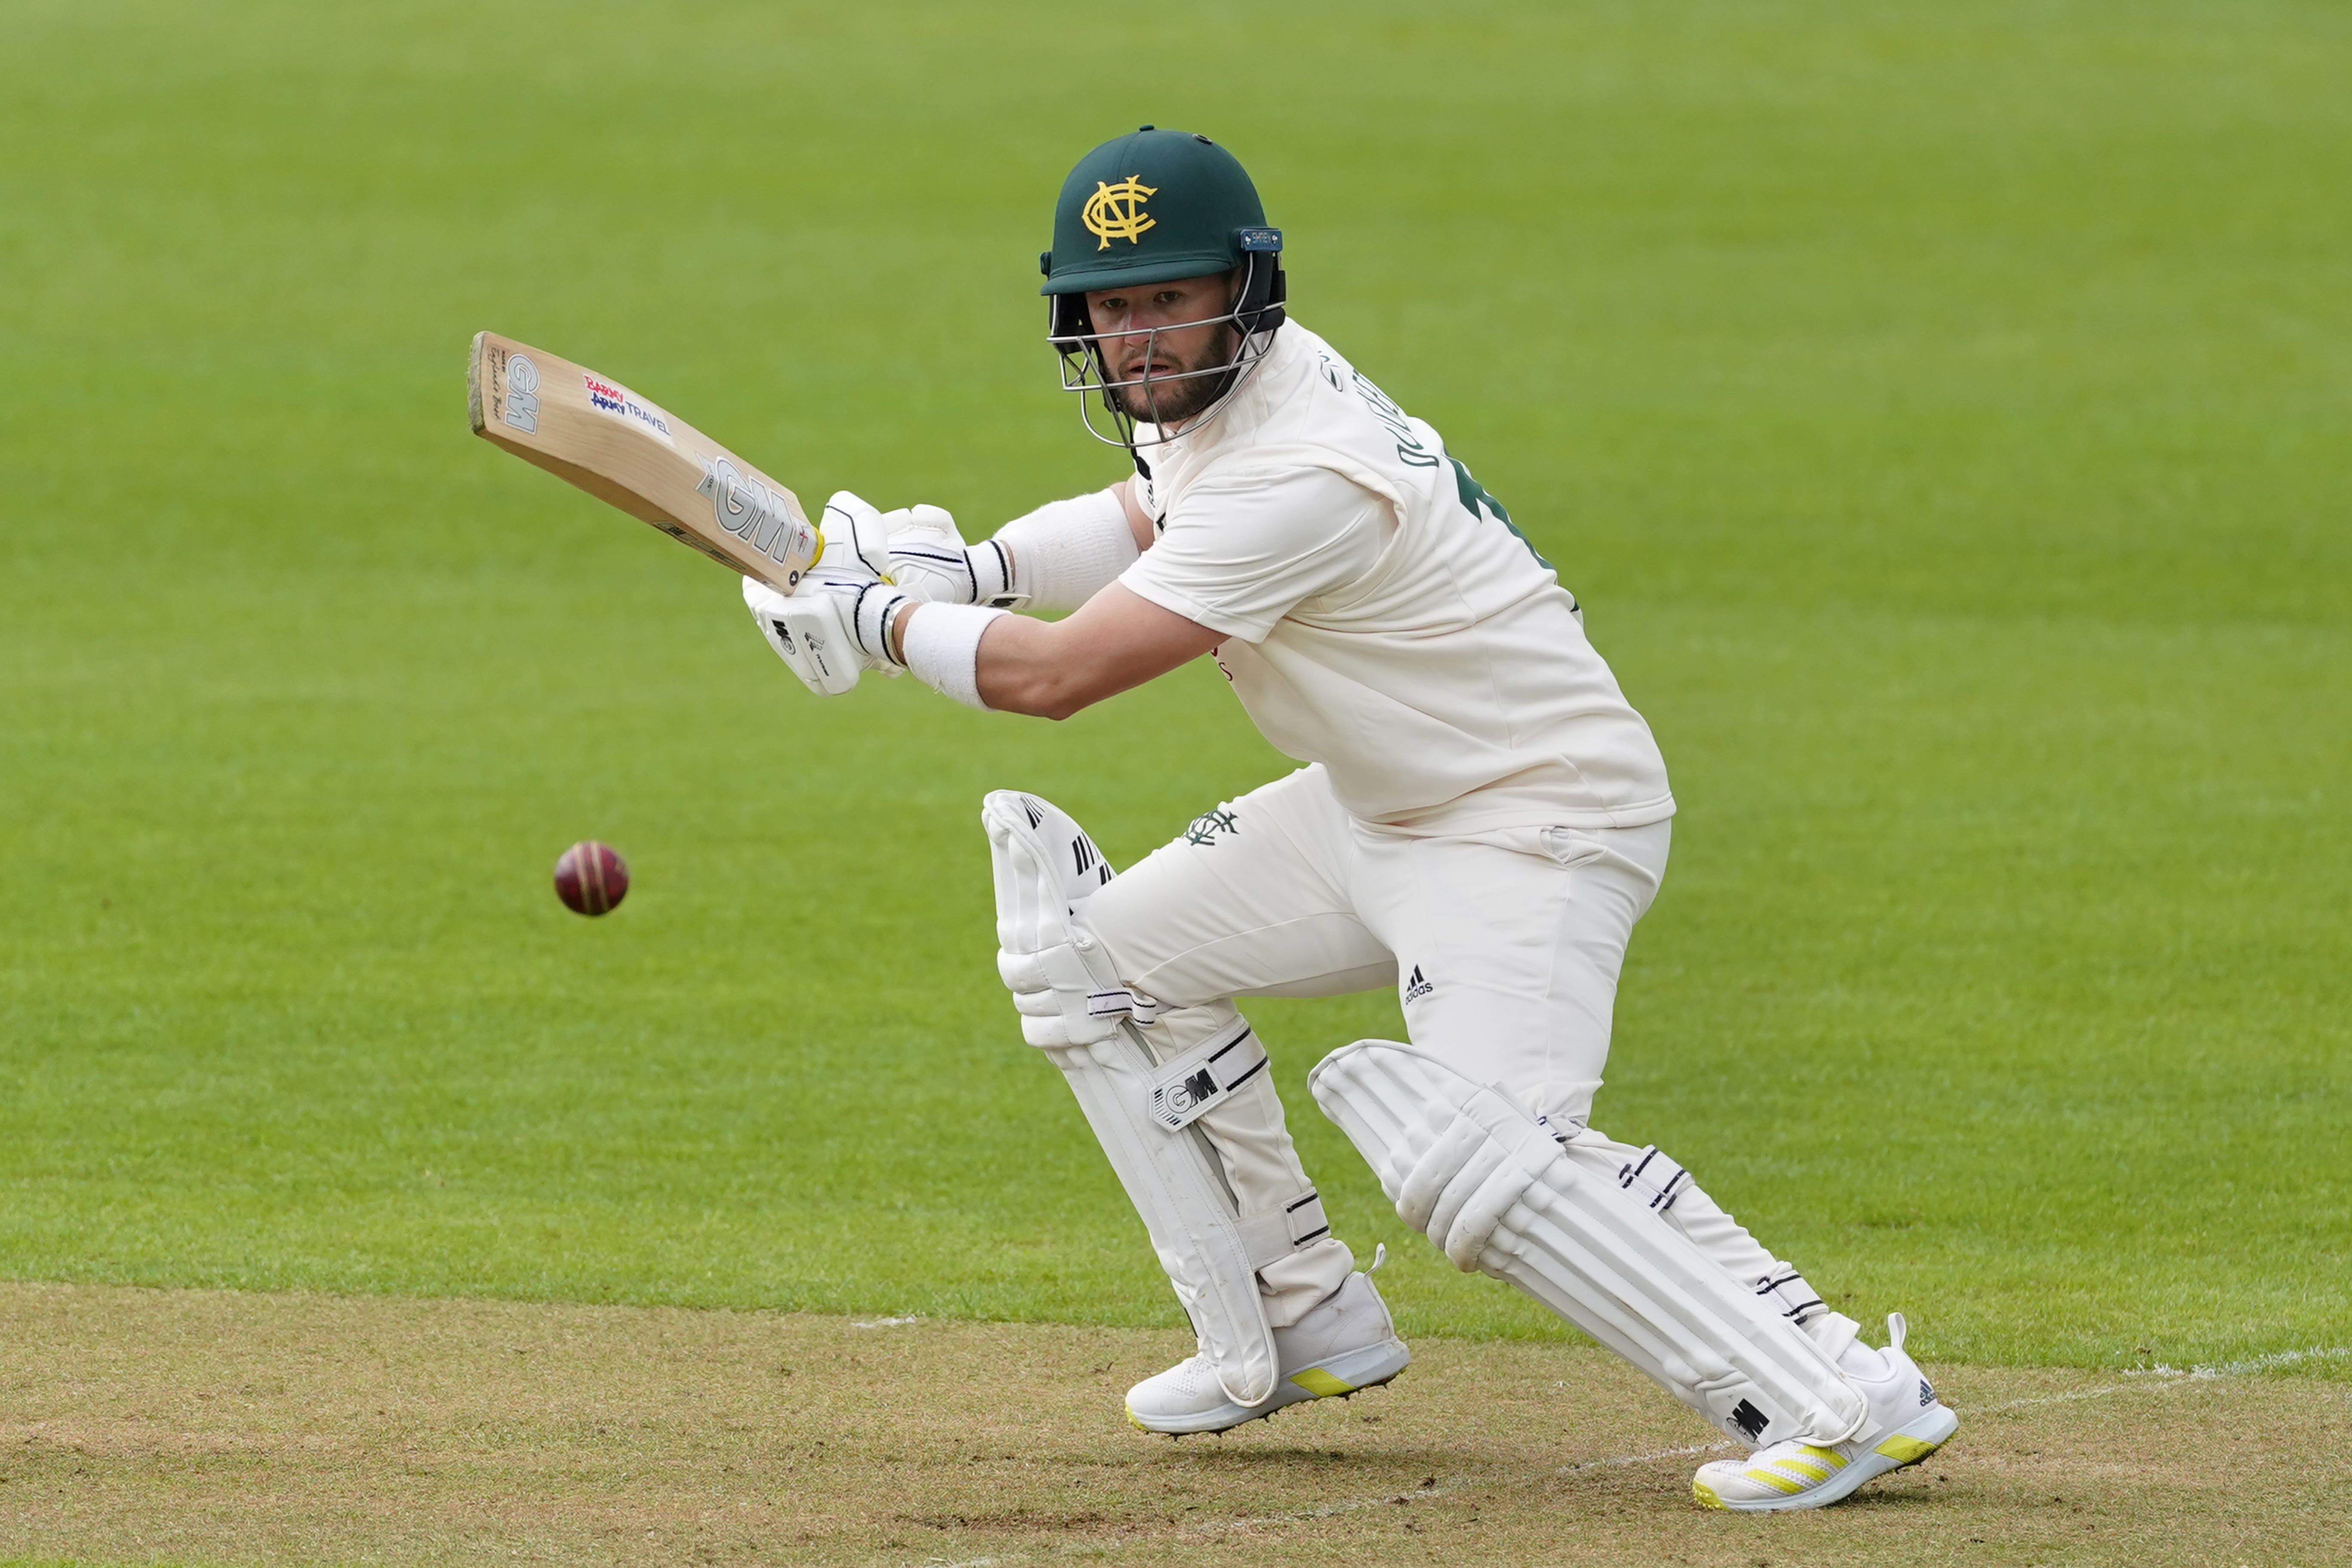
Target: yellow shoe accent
(1806, 1468)
(1774, 1478)
(1906, 1451)
(1321, 1384)
(1704, 1495)
(1829, 1456)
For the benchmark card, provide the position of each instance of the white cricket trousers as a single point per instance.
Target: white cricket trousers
(1504, 947)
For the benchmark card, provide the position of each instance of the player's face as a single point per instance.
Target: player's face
(1133, 328)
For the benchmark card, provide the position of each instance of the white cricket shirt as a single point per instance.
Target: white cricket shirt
(1383, 618)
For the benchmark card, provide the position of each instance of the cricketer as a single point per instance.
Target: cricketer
(1481, 820)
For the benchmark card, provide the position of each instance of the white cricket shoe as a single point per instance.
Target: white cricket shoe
(1344, 1343)
(1906, 1425)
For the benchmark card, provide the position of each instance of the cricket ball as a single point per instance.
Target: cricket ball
(590, 878)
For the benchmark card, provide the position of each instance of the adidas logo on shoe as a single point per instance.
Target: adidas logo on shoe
(1927, 1395)
(1416, 988)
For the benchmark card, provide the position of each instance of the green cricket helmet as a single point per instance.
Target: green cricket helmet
(1152, 208)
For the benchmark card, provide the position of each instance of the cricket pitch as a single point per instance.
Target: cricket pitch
(202, 1427)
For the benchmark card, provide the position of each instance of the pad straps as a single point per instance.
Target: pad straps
(1654, 1178)
(1204, 1077)
(1273, 1237)
(1119, 1002)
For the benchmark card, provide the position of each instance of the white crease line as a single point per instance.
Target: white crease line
(900, 1323)
(2174, 1377)
(2270, 1363)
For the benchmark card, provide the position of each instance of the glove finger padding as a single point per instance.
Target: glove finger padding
(928, 557)
(809, 633)
(857, 540)
(924, 524)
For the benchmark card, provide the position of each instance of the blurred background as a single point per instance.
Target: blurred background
(1942, 412)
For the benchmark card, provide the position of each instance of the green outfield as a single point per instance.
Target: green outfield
(1943, 412)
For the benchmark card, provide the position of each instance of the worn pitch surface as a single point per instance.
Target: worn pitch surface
(207, 1426)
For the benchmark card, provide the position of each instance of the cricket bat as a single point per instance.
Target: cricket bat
(591, 431)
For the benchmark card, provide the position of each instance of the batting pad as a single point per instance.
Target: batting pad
(1045, 870)
(1471, 1169)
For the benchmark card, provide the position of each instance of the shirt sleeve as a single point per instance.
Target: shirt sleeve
(1239, 552)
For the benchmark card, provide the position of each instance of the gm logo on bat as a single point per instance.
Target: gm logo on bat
(754, 513)
(522, 394)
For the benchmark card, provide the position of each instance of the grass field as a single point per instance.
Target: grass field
(1942, 411)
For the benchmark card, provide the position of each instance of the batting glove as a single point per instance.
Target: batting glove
(929, 559)
(837, 625)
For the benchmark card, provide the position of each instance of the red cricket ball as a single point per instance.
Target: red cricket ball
(590, 878)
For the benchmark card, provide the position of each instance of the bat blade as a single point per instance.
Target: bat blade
(591, 431)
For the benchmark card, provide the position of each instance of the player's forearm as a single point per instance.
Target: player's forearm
(1049, 669)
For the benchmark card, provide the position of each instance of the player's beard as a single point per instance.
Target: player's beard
(1173, 396)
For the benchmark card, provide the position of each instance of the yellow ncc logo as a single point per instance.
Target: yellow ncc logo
(1116, 212)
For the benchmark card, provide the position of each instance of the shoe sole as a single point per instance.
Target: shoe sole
(1922, 1436)
(1340, 1377)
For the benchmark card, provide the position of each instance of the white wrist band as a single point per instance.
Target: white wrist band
(990, 566)
(1067, 552)
(941, 644)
